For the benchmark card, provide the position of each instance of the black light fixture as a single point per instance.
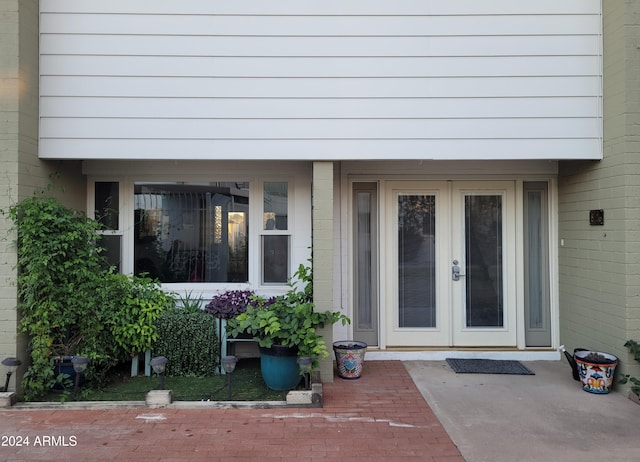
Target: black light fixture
(305, 364)
(12, 364)
(80, 364)
(159, 364)
(229, 365)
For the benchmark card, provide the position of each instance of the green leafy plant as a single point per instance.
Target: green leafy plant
(288, 320)
(189, 302)
(634, 348)
(71, 302)
(189, 341)
(133, 323)
(60, 288)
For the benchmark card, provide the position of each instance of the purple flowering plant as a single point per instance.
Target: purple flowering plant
(229, 304)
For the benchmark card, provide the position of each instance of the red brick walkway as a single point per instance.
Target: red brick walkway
(380, 416)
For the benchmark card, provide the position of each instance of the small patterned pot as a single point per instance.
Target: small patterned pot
(596, 370)
(349, 358)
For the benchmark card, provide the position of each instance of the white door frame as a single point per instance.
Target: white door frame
(450, 329)
(506, 335)
(395, 335)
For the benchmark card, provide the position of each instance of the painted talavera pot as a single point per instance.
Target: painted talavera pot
(596, 370)
(349, 358)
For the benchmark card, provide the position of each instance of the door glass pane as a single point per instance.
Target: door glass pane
(416, 261)
(363, 261)
(483, 261)
(365, 275)
(536, 267)
(534, 252)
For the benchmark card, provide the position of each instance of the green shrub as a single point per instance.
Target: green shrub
(634, 348)
(61, 289)
(140, 304)
(71, 302)
(189, 341)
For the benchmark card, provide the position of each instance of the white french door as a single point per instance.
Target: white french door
(483, 248)
(450, 261)
(417, 252)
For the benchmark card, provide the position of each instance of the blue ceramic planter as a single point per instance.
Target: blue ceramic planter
(279, 367)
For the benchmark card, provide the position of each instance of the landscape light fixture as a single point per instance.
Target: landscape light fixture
(12, 364)
(305, 364)
(229, 365)
(159, 363)
(80, 364)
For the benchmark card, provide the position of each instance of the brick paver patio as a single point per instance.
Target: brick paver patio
(381, 416)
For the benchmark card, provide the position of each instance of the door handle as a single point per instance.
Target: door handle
(455, 271)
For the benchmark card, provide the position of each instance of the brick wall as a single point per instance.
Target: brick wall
(600, 265)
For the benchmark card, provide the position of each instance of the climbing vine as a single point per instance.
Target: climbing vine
(71, 302)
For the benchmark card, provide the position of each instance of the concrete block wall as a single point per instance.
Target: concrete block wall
(10, 145)
(600, 265)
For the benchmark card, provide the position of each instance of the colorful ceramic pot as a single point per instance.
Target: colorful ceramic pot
(596, 370)
(349, 358)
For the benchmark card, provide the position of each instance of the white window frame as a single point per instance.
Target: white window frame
(275, 232)
(256, 231)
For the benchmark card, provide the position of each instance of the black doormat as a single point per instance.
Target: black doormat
(488, 366)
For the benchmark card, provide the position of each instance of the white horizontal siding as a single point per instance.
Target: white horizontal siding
(469, 149)
(321, 108)
(324, 7)
(325, 26)
(212, 129)
(306, 67)
(320, 80)
(339, 87)
(211, 46)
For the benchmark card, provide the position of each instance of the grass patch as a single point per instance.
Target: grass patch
(247, 385)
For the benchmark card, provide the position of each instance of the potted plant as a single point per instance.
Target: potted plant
(596, 370)
(229, 304)
(225, 306)
(349, 358)
(285, 328)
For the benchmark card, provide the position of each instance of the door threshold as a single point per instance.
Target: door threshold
(473, 353)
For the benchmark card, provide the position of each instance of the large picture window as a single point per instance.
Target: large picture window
(192, 232)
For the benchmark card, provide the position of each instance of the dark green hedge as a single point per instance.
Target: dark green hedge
(189, 340)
